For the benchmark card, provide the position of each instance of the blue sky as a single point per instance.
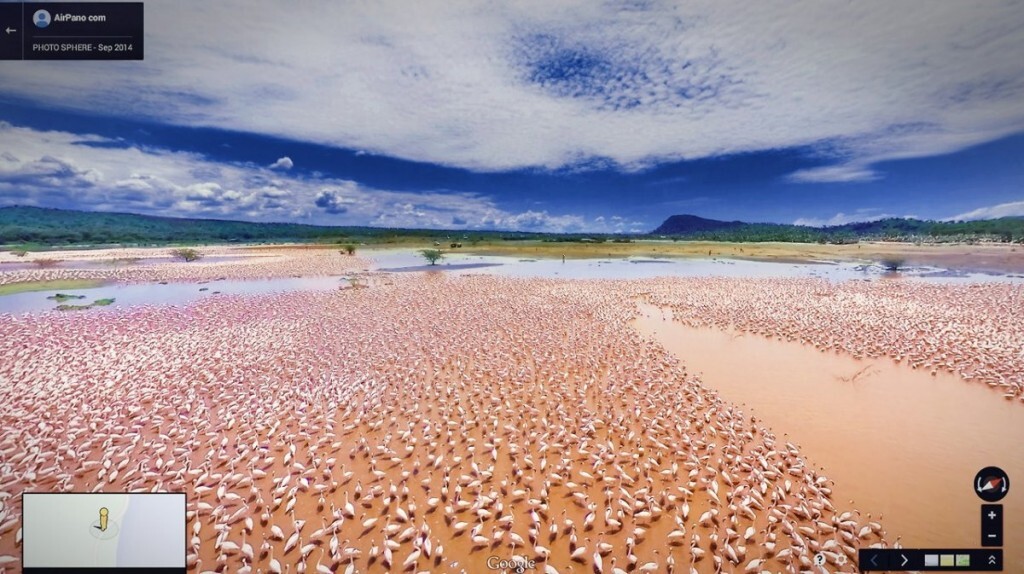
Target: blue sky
(578, 116)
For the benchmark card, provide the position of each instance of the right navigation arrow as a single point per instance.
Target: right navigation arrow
(905, 560)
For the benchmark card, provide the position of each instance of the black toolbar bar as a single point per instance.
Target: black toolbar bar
(934, 559)
(71, 31)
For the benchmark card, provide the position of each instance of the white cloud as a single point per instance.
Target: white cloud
(47, 170)
(1009, 209)
(333, 201)
(868, 214)
(538, 220)
(54, 169)
(482, 86)
(283, 163)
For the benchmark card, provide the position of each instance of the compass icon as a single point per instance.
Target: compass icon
(991, 484)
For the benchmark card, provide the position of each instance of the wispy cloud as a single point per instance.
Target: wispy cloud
(541, 84)
(834, 174)
(1009, 209)
(53, 169)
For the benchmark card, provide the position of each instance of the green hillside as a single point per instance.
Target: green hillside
(20, 225)
(1006, 229)
(27, 226)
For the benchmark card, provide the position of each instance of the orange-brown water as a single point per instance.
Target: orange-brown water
(897, 441)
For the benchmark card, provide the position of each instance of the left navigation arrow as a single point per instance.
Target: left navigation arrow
(11, 41)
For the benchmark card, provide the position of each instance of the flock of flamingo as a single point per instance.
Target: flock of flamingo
(439, 423)
(972, 330)
(121, 265)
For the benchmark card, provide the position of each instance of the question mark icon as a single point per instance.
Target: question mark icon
(819, 559)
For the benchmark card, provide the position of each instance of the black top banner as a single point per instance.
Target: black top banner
(71, 31)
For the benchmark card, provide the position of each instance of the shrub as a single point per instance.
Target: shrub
(62, 297)
(893, 263)
(187, 254)
(432, 255)
(124, 261)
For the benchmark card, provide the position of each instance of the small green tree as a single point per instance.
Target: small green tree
(348, 250)
(432, 255)
(187, 254)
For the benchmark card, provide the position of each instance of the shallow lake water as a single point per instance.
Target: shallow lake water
(409, 261)
(128, 295)
(897, 441)
(647, 267)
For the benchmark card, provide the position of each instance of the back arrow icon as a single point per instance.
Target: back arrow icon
(11, 30)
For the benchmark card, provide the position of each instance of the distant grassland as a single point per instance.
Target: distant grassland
(747, 250)
(637, 248)
(996, 257)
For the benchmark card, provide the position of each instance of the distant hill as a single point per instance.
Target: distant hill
(689, 224)
(899, 229)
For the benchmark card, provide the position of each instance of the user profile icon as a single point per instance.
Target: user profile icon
(41, 18)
